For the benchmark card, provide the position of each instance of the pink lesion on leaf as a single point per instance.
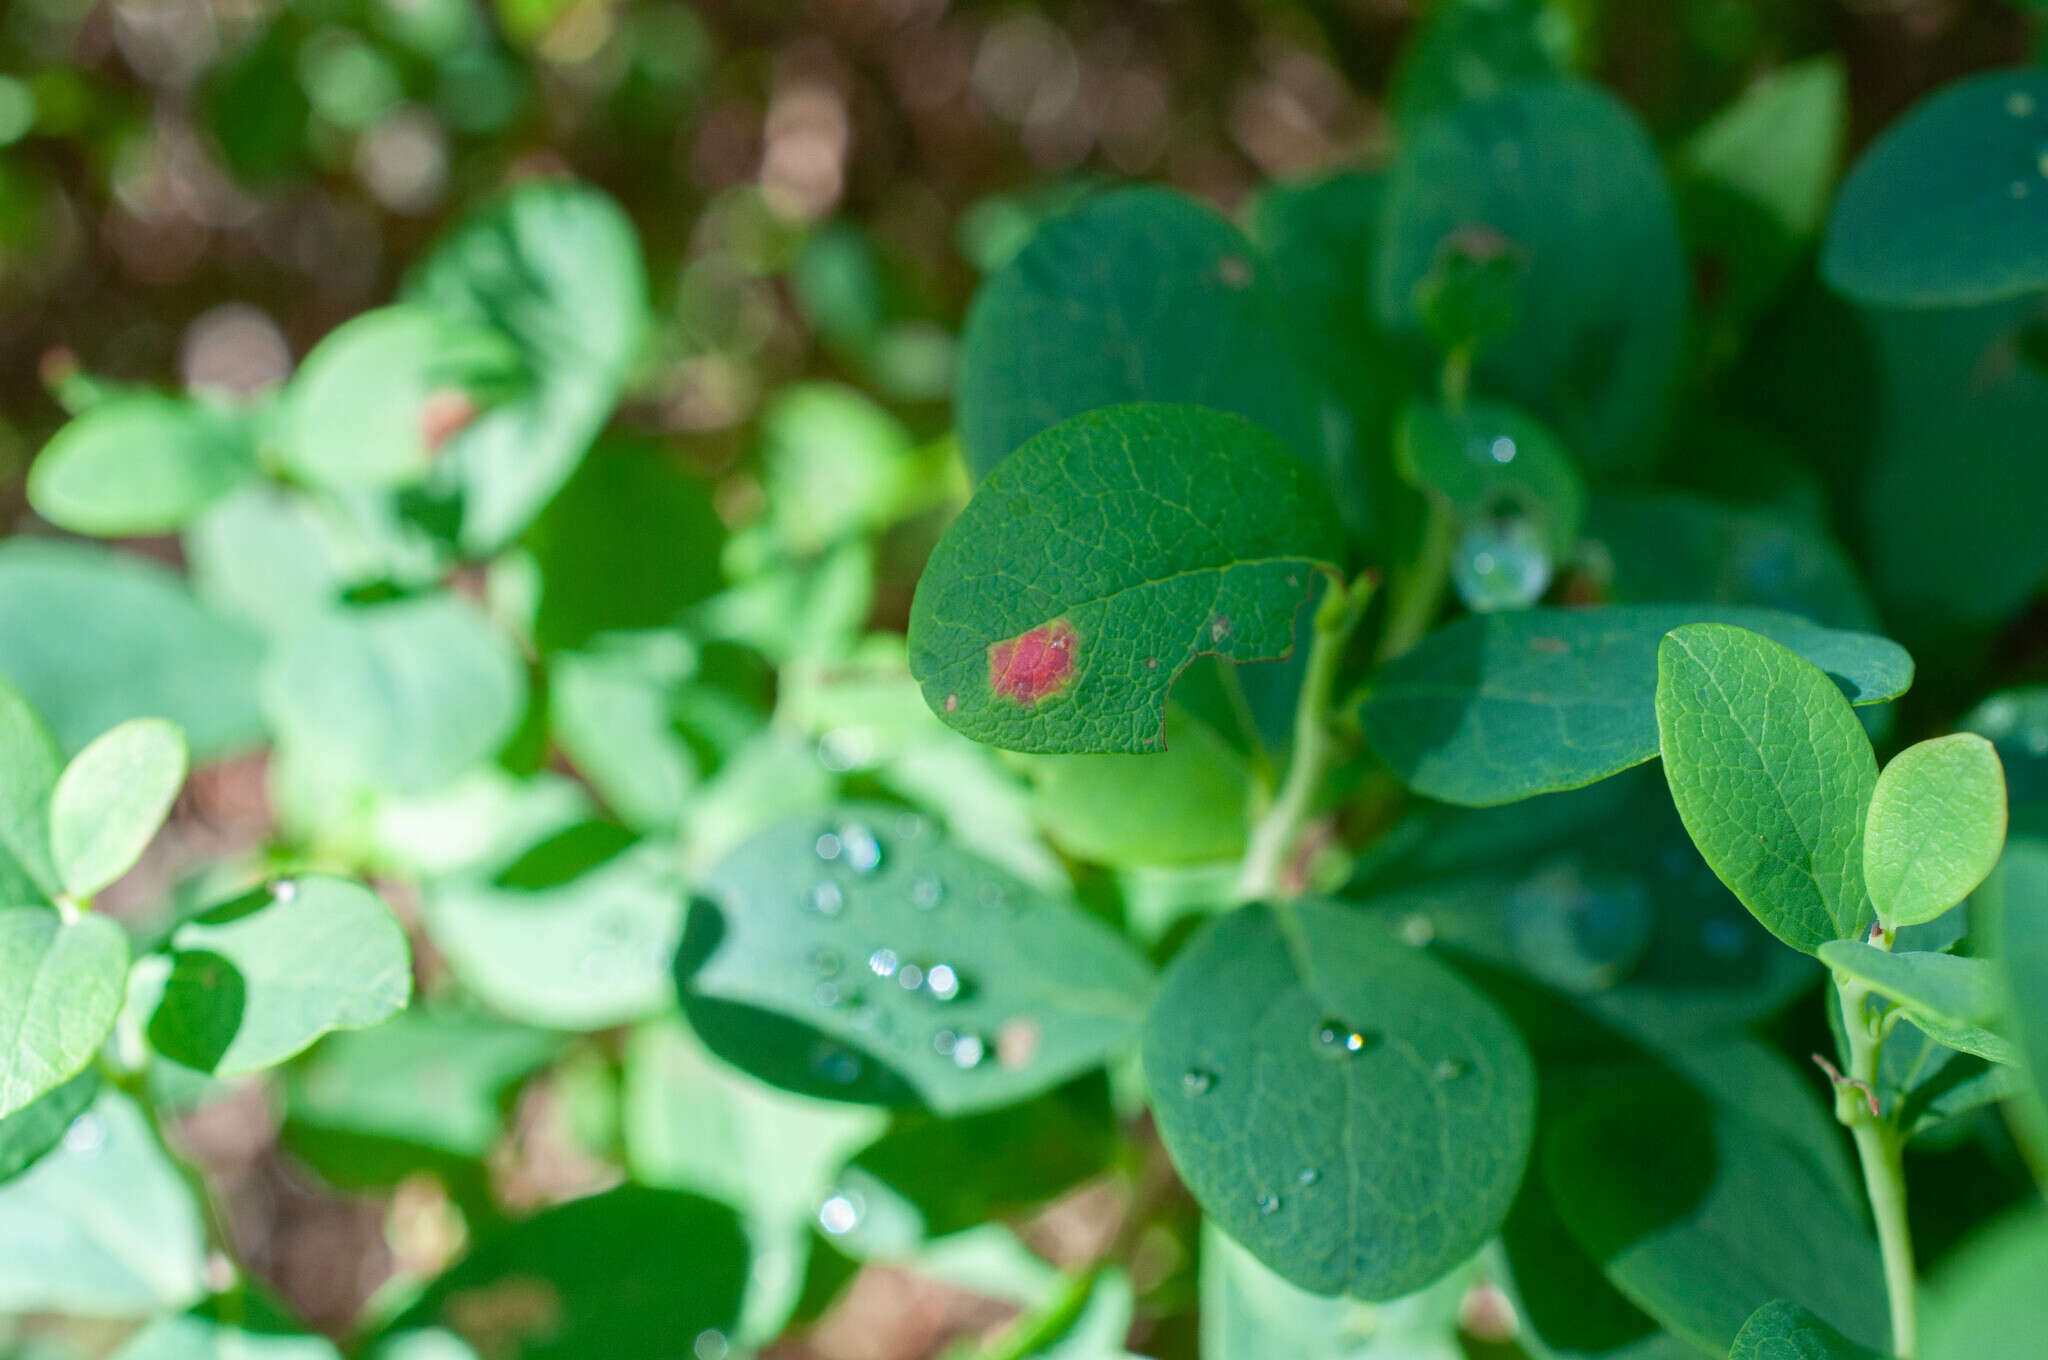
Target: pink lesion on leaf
(1035, 665)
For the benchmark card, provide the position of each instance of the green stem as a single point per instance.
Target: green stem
(1418, 591)
(1881, 1148)
(1272, 838)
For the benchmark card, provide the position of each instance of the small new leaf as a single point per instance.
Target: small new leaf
(1936, 825)
(1101, 558)
(111, 799)
(1953, 999)
(1782, 1330)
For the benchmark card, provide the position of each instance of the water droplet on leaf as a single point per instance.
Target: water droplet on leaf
(828, 846)
(943, 981)
(824, 962)
(969, 1051)
(840, 1214)
(284, 890)
(1269, 1204)
(827, 899)
(1336, 1038)
(1501, 564)
(863, 850)
(1308, 1175)
(1197, 1081)
(1450, 1069)
(882, 963)
(926, 892)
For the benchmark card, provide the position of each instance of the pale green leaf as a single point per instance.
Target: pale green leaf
(29, 763)
(1771, 773)
(1250, 1313)
(110, 800)
(61, 984)
(1936, 825)
(140, 464)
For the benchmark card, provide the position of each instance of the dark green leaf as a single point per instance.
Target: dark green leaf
(1701, 1217)
(34, 1129)
(1343, 1105)
(140, 464)
(630, 1272)
(1100, 559)
(1782, 1330)
(1559, 176)
(61, 984)
(256, 981)
(2015, 904)
(1501, 707)
(859, 955)
(1950, 206)
(1489, 461)
(1474, 49)
(92, 638)
(1138, 296)
(1771, 773)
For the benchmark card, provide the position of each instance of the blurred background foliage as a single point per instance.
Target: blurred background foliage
(193, 193)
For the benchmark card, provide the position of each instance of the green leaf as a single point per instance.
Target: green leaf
(110, 800)
(375, 400)
(1936, 825)
(1561, 177)
(630, 542)
(1701, 1217)
(860, 955)
(401, 696)
(556, 266)
(1939, 991)
(834, 464)
(140, 464)
(588, 946)
(104, 1226)
(255, 981)
(1677, 547)
(1474, 49)
(29, 762)
(1138, 296)
(1771, 773)
(1505, 706)
(1346, 1107)
(228, 1327)
(1489, 461)
(633, 1271)
(1986, 1303)
(1099, 560)
(61, 984)
(1250, 1313)
(612, 710)
(1186, 805)
(1782, 1330)
(34, 1129)
(92, 638)
(1950, 206)
(2015, 910)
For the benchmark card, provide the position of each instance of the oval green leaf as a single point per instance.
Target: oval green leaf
(140, 463)
(1099, 560)
(858, 954)
(1138, 296)
(255, 981)
(1502, 707)
(1771, 773)
(1953, 999)
(1343, 1105)
(29, 763)
(61, 985)
(401, 696)
(111, 799)
(1936, 825)
(1950, 206)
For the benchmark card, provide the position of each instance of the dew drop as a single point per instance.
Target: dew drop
(1501, 564)
(863, 850)
(944, 1042)
(828, 847)
(824, 962)
(828, 995)
(882, 963)
(1337, 1039)
(284, 890)
(1307, 1176)
(910, 977)
(1502, 450)
(968, 1051)
(827, 899)
(1269, 1204)
(942, 981)
(1450, 1069)
(840, 1214)
(993, 897)
(2018, 189)
(86, 1135)
(2019, 104)
(1198, 1081)
(1418, 930)
(711, 1345)
(926, 892)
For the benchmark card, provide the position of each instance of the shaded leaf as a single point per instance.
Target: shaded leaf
(34, 1129)
(1782, 1330)
(1986, 1303)
(1953, 999)
(1505, 706)
(1344, 1106)
(1250, 1313)
(140, 463)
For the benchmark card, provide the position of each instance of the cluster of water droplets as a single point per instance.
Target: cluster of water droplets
(1501, 561)
(2020, 105)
